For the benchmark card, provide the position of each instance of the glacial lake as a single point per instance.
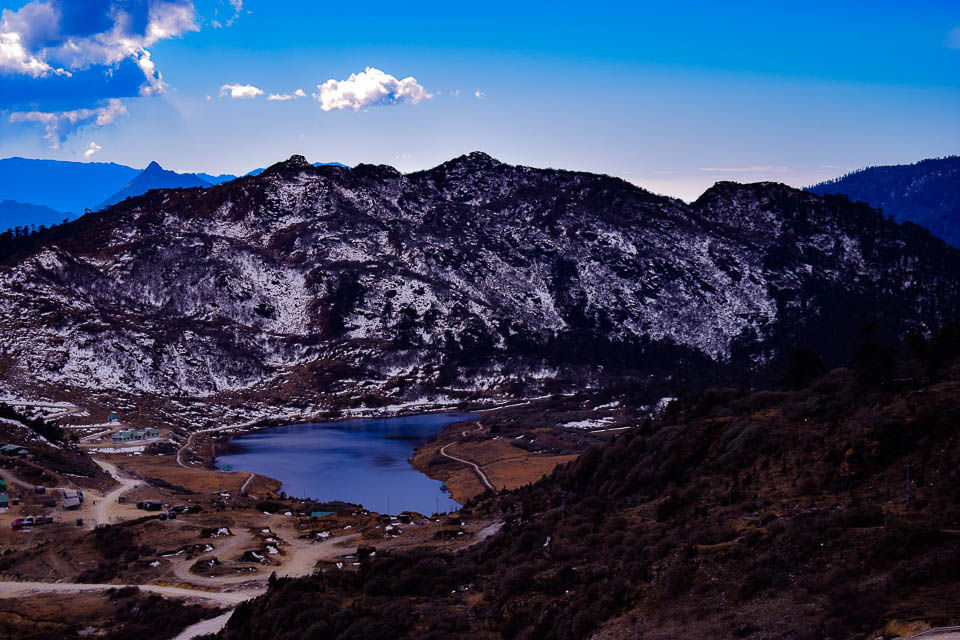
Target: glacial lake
(364, 461)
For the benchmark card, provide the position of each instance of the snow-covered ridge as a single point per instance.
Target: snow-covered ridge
(366, 290)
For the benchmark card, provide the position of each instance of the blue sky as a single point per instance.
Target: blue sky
(670, 98)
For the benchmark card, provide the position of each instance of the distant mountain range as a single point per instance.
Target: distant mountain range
(13, 213)
(45, 192)
(925, 193)
(155, 177)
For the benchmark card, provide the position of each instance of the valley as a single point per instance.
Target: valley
(649, 413)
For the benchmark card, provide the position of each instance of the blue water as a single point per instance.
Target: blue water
(360, 461)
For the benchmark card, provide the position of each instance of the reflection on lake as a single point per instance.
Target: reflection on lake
(361, 461)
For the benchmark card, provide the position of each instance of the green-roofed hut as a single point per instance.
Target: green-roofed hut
(13, 450)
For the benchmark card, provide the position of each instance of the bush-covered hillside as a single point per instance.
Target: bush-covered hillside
(926, 193)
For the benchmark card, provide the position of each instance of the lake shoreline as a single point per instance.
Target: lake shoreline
(360, 460)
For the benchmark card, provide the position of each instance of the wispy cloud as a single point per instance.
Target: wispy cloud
(241, 91)
(753, 169)
(59, 124)
(370, 87)
(237, 6)
(282, 97)
(92, 148)
(953, 38)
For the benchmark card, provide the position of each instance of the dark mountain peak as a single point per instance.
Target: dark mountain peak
(757, 206)
(375, 171)
(154, 177)
(475, 160)
(295, 162)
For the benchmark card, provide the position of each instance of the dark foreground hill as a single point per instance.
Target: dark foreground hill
(830, 511)
(926, 193)
(321, 289)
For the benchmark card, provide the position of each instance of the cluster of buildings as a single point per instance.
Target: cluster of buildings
(131, 435)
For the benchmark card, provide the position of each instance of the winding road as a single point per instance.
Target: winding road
(477, 469)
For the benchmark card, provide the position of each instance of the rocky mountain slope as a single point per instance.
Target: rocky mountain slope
(926, 193)
(321, 289)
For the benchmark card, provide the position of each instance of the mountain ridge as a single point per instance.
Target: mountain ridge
(331, 288)
(155, 177)
(926, 193)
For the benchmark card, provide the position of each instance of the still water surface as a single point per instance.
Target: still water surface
(360, 461)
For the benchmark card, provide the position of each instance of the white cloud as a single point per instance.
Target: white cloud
(296, 95)
(243, 91)
(58, 124)
(953, 38)
(34, 41)
(92, 148)
(479, 95)
(368, 88)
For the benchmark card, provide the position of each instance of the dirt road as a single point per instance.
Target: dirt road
(16, 589)
(108, 506)
(202, 628)
(12, 479)
(476, 469)
(306, 554)
(246, 483)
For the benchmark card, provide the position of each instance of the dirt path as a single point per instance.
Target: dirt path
(107, 507)
(246, 483)
(476, 469)
(16, 589)
(230, 546)
(12, 479)
(186, 445)
(306, 554)
(202, 628)
(940, 633)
